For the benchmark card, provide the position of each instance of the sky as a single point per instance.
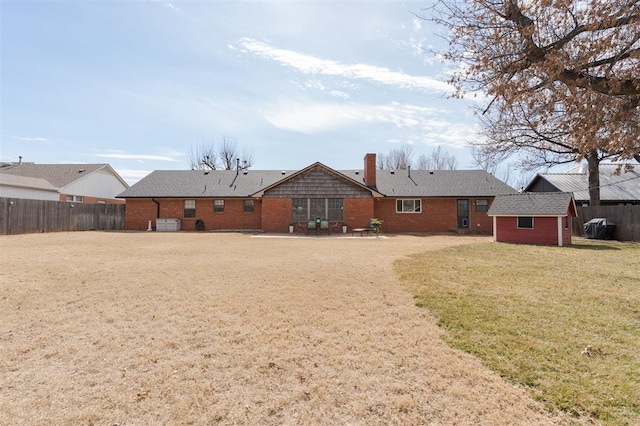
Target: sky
(139, 84)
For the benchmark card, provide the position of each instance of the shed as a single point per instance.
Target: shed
(542, 218)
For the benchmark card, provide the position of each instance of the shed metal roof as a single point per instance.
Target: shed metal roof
(531, 204)
(613, 187)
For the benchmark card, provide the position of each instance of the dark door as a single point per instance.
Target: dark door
(463, 213)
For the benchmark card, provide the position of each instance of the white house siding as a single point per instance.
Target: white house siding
(28, 193)
(99, 184)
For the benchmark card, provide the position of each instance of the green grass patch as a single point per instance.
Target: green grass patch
(529, 312)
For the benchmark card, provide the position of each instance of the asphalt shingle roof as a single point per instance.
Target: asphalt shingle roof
(224, 183)
(26, 182)
(59, 175)
(531, 204)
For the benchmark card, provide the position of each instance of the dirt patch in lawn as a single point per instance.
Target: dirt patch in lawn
(185, 328)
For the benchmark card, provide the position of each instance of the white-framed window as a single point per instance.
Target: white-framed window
(75, 199)
(248, 206)
(408, 206)
(189, 208)
(218, 206)
(525, 222)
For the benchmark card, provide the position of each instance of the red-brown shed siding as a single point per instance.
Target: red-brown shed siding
(544, 231)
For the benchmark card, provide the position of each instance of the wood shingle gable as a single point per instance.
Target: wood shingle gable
(318, 181)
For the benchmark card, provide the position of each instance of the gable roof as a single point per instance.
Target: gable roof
(59, 175)
(26, 182)
(203, 183)
(440, 183)
(340, 175)
(532, 204)
(253, 183)
(613, 187)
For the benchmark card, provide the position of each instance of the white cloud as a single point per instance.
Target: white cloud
(29, 139)
(310, 118)
(312, 65)
(131, 176)
(147, 157)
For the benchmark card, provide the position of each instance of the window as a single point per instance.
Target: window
(218, 206)
(482, 206)
(525, 222)
(566, 222)
(317, 208)
(299, 209)
(248, 206)
(75, 199)
(408, 206)
(304, 209)
(189, 208)
(334, 211)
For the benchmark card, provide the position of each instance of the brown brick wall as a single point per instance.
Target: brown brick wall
(140, 211)
(438, 215)
(544, 232)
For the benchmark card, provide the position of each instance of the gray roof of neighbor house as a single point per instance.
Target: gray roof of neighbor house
(225, 183)
(58, 175)
(26, 182)
(613, 187)
(531, 204)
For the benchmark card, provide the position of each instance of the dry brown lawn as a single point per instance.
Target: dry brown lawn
(214, 328)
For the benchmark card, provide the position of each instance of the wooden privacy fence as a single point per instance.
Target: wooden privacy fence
(626, 218)
(19, 216)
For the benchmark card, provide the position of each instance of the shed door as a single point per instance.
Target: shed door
(463, 213)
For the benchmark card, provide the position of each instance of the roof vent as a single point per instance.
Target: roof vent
(430, 172)
(206, 172)
(82, 170)
(283, 173)
(245, 172)
(357, 172)
(393, 172)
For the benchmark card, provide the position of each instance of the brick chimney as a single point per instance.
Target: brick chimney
(370, 170)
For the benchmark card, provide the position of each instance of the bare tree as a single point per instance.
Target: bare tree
(561, 76)
(437, 159)
(397, 159)
(225, 155)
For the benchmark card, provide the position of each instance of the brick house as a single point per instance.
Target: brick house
(269, 200)
(542, 218)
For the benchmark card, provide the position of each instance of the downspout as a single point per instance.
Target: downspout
(157, 207)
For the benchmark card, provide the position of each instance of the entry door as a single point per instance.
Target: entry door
(463, 213)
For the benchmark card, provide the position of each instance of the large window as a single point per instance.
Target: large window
(408, 206)
(218, 206)
(482, 205)
(305, 209)
(300, 211)
(75, 199)
(525, 222)
(189, 208)
(248, 206)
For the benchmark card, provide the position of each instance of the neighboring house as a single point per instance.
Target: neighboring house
(27, 188)
(78, 183)
(268, 200)
(533, 218)
(615, 188)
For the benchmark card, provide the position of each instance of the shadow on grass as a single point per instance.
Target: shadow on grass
(593, 246)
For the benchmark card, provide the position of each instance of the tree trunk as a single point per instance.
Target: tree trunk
(593, 163)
